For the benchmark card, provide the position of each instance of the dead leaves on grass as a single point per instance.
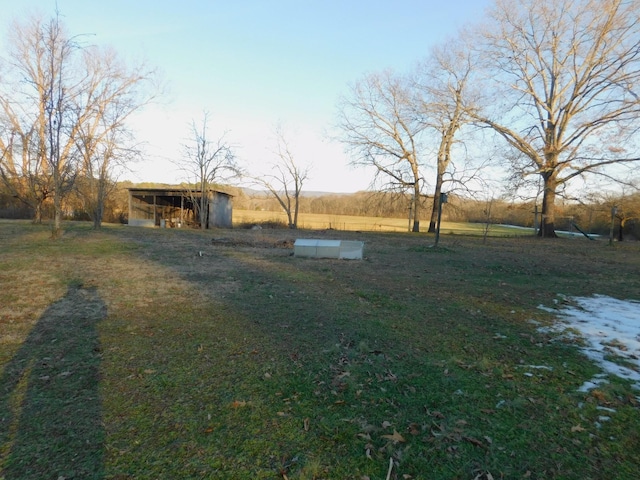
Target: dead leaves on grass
(395, 437)
(449, 435)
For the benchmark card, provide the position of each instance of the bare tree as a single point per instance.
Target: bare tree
(206, 162)
(442, 100)
(623, 208)
(64, 100)
(380, 128)
(286, 181)
(566, 76)
(104, 141)
(97, 179)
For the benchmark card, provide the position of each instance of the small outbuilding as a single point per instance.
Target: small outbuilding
(151, 207)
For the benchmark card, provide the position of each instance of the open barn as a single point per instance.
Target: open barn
(149, 207)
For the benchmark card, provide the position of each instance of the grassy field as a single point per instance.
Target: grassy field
(317, 221)
(132, 353)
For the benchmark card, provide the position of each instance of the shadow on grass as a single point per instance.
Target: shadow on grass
(50, 409)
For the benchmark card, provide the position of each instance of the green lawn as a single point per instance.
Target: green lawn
(135, 353)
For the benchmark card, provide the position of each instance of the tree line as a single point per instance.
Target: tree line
(592, 217)
(64, 106)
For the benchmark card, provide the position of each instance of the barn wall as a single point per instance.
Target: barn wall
(220, 211)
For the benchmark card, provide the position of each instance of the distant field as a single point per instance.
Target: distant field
(316, 221)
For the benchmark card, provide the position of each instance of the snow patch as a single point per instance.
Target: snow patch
(609, 328)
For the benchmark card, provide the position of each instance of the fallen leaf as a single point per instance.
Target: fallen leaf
(368, 453)
(305, 424)
(386, 424)
(395, 437)
(149, 371)
(238, 403)
(577, 428)
(475, 442)
(414, 429)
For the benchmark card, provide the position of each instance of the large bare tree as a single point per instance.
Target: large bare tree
(207, 160)
(566, 74)
(63, 100)
(104, 141)
(442, 102)
(379, 127)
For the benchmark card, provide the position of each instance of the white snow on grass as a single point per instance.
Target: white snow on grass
(610, 328)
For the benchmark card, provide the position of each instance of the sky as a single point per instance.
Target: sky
(255, 64)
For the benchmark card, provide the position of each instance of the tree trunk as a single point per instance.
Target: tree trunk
(436, 201)
(547, 226)
(100, 198)
(37, 215)
(98, 213)
(57, 216)
(204, 207)
(416, 206)
(296, 209)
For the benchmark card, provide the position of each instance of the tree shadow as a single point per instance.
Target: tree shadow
(50, 408)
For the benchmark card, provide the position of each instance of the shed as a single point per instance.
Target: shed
(151, 207)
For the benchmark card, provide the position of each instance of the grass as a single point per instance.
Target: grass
(318, 221)
(145, 353)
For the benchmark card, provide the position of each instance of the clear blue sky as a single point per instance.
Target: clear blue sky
(252, 64)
